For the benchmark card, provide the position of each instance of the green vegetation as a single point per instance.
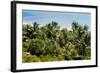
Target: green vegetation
(51, 43)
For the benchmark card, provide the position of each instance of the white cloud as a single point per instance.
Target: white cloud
(69, 27)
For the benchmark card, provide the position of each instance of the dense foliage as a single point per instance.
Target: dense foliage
(53, 43)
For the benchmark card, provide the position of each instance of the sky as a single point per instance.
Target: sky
(64, 19)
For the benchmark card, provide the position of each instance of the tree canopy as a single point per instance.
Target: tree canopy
(51, 43)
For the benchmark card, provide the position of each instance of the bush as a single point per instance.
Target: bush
(30, 58)
(36, 47)
(46, 58)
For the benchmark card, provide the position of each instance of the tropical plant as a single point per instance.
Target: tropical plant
(53, 43)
